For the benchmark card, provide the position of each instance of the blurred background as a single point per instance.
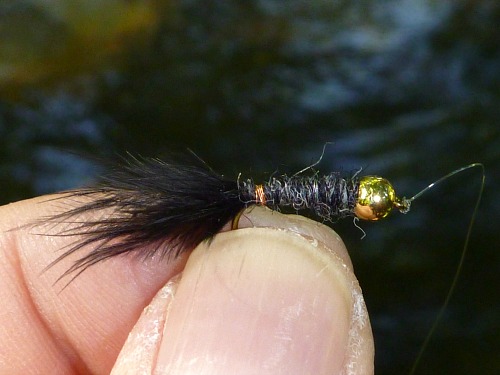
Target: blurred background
(409, 90)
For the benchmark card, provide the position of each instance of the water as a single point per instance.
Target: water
(408, 90)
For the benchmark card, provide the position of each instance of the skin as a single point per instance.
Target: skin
(277, 296)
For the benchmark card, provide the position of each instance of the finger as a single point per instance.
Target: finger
(258, 300)
(77, 329)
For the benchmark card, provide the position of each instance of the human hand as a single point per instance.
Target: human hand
(275, 297)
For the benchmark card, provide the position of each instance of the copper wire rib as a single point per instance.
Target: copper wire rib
(260, 196)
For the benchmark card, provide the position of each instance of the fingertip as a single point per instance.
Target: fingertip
(141, 347)
(267, 301)
(263, 217)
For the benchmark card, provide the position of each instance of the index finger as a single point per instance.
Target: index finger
(80, 327)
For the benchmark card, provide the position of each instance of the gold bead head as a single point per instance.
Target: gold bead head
(376, 198)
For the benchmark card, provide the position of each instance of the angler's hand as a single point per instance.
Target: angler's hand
(278, 299)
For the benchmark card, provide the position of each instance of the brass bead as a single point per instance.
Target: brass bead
(376, 198)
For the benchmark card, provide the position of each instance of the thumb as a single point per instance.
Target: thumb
(257, 300)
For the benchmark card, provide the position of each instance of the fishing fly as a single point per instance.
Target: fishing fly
(170, 206)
